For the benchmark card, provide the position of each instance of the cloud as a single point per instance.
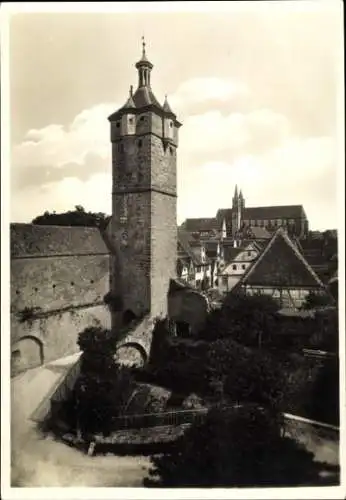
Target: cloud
(57, 167)
(214, 136)
(56, 146)
(297, 171)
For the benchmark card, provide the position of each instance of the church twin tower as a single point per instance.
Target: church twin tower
(144, 137)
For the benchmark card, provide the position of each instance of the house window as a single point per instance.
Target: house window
(249, 253)
(171, 150)
(171, 124)
(140, 143)
(130, 120)
(118, 125)
(243, 266)
(225, 280)
(234, 267)
(142, 118)
(120, 148)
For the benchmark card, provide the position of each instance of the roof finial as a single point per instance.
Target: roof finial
(131, 90)
(143, 45)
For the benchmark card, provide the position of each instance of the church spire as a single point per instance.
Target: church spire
(144, 68)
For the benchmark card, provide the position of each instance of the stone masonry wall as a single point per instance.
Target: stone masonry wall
(57, 333)
(52, 283)
(163, 249)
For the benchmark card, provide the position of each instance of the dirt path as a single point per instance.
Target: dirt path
(38, 461)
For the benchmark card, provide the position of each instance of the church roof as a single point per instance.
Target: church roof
(281, 265)
(30, 240)
(264, 213)
(200, 224)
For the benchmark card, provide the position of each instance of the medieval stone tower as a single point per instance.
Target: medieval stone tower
(144, 137)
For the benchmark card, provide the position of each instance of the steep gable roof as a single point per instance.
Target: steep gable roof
(281, 265)
(30, 240)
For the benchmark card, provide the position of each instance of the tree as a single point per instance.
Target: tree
(238, 448)
(314, 300)
(249, 320)
(103, 386)
(76, 217)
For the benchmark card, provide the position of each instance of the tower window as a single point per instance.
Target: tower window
(142, 118)
(124, 209)
(140, 143)
(171, 124)
(234, 267)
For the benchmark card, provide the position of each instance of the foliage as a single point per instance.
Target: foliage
(249, 320)
(103, 386)
(97, 339)
(247, 375)
(314, 300)
(234, 448)
(114, 302)
(77, 217)
(220, 369)
(323, 403)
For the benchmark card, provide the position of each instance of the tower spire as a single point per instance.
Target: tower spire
(143, 46)
(144, 68)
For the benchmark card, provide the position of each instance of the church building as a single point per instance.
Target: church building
(239, 221)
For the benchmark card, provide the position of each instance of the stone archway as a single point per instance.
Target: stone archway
(131, 353)
(26, 353)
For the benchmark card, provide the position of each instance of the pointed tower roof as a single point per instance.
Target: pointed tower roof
(281, 265)
(130, 104)
(166, 106)
(241, 195)
(236, 191)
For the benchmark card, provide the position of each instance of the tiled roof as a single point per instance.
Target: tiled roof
(276, 212)
(230, 253)
(280, 265)
(263, 213)
(30, 240)
(200, 224)
(260, 233)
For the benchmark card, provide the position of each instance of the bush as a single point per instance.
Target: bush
(314, 300)
(247, 375)
(103, 386)
(249, 320)
(234, 448)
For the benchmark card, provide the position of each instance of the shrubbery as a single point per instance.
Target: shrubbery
(235, 448)
(103, 386)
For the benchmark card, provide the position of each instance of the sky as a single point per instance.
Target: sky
(256, 88)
